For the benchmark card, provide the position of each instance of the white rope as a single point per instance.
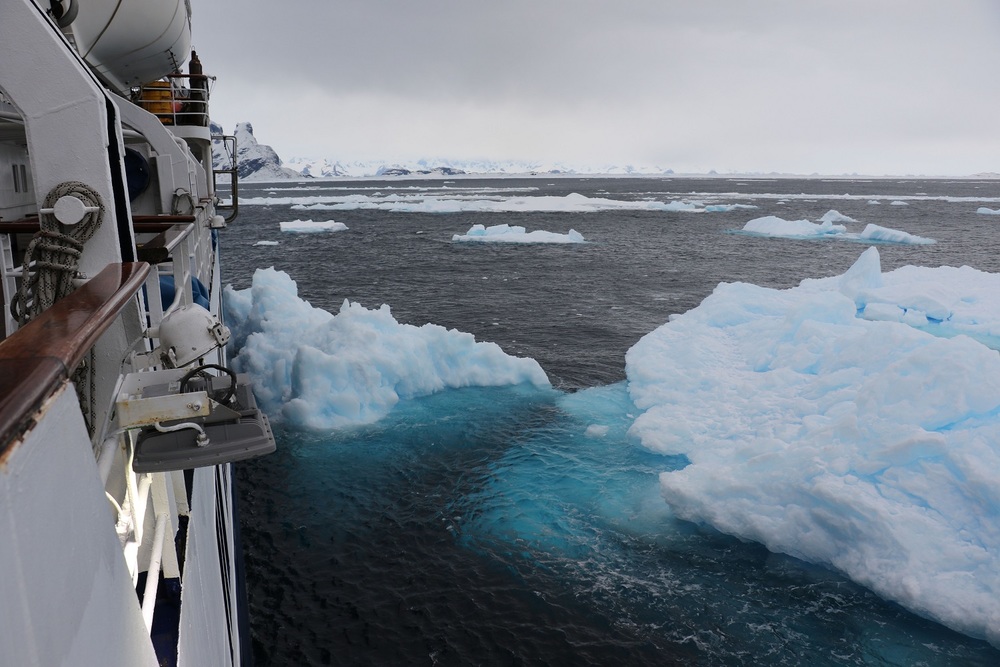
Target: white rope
(54, 252)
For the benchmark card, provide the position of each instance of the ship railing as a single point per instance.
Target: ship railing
(229, 174)
(179, 251)
(38, 357)
(176, 99)
(11, 275)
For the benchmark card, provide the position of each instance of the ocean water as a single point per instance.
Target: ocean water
(487, 525)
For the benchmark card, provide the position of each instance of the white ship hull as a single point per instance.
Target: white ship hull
(115, 552)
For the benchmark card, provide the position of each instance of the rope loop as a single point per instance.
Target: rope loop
(54, 252)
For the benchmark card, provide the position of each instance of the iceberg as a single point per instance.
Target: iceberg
(725, 208)
(776, 227)
(772, 225)
(983, 210)
(515, 234)
(885, 235)
(833, 215)
(846, 422)
(308, 226)
(316, 370)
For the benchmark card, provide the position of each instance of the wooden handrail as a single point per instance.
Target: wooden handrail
(23, 226)
(140, 223)
(162, 218)
(153, 251)
(160, 247)
(39, 356)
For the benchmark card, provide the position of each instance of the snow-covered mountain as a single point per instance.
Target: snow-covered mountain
(259, 162)
(332, 168)
(254, 161)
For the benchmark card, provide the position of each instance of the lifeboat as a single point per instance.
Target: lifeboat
(129, 42)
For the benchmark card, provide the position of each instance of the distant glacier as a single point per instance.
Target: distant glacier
(333, 168)
(260, 162)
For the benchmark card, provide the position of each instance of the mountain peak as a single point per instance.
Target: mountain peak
(254, 161)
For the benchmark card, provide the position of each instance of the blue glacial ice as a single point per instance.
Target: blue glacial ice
(830, 423)
(321, 371)
(505, 233)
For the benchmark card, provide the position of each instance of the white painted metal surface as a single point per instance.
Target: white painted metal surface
(65, 115)
(67, 597)
(203, 600)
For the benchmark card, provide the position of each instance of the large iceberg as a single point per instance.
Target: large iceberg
(323, 371)
(831, 423)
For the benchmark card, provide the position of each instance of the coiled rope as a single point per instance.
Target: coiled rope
(55, 252)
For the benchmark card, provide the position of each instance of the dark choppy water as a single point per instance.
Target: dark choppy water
(481, 526)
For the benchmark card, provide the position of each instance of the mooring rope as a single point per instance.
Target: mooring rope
(55, 251)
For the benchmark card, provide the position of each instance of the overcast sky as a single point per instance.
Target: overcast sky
(798, 86)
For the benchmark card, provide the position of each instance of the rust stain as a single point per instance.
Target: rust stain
(20, 432)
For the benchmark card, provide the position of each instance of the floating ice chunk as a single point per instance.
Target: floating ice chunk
(897, 202)
(982, 210)
(860, 443)
(864, 276)
(874, 202)
(322, 371)
(803, 229)
(834, 215)
(515, 234)
(886, 235)
(725, 208)
(308, 226)
(259, 243)
(596, 431)
(772, 225)
(675, 206)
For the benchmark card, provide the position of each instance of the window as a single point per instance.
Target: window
(20, 172)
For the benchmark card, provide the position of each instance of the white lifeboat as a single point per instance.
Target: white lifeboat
(132, 42)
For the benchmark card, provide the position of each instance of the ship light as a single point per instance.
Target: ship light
(188, 334)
